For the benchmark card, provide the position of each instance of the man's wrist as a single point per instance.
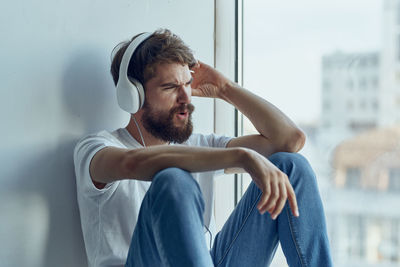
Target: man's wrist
(227, 89)
(243, 155)
(240, 157)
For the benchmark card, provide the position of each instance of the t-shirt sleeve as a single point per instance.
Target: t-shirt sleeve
(215, 140)
(84, 151)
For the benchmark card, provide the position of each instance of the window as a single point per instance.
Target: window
(359, 126)
(398, 14)
(327, 105)
(353, 176)
(338, 50)
(362, 83)
(350, 84)
(355, 235)
(327, 85)
(374, 61)
(375, 105)
(350, 105)
(363, 104)
(394, 237)
(398, 48)
(362, 62)
(374, 238)
(394, 180)
(326, 64)
(383, 239)
(374, 83)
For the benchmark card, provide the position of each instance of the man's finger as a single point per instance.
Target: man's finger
(274, 196)
(196, 65)
(281, 201)
(196, 92)
(264, 198)
(292, 200)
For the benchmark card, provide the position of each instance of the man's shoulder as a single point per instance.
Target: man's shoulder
(103, 135)
(98, 139)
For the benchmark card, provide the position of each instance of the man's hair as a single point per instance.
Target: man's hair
(161, 47)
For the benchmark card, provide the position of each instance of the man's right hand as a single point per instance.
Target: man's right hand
(273, 183)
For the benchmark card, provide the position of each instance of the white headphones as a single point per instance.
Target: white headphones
(130, 92)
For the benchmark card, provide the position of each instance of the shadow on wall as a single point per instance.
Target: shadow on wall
(43, 218)
(90, 100)
(89, 93)
(39, 199)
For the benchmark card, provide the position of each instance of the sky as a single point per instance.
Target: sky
(284, 41)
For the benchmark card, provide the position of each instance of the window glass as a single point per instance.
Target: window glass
(332, 67)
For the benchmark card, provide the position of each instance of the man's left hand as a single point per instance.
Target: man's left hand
(208, 82)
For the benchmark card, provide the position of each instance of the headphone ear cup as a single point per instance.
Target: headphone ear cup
(129, 96)
(140, 91)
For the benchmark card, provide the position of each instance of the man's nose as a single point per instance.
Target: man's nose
(184, 94)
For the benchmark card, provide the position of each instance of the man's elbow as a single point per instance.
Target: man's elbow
(295, 141)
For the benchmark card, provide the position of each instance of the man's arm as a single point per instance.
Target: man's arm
(277, 131)
(110, 164)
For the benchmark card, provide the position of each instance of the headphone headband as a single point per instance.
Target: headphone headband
(123, 68)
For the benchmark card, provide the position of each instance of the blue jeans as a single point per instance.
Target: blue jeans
(169, 231)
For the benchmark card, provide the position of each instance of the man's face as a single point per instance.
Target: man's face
(167, 109)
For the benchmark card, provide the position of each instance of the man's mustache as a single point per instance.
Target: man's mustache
(183, 108)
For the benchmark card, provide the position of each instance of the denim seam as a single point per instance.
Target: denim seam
(294, 238)
(160, 249)
(241, 228)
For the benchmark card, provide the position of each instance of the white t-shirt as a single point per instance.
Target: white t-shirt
(109, 215)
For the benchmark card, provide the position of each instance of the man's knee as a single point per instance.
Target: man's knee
(174, 184)
(287, 157)
(293, 163)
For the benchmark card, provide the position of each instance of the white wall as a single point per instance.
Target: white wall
(55, 88)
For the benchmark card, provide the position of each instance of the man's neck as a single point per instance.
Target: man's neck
(148, 138)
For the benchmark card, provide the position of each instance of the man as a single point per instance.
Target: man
(145, 192)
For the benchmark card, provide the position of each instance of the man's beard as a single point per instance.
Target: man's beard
(161, 125)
